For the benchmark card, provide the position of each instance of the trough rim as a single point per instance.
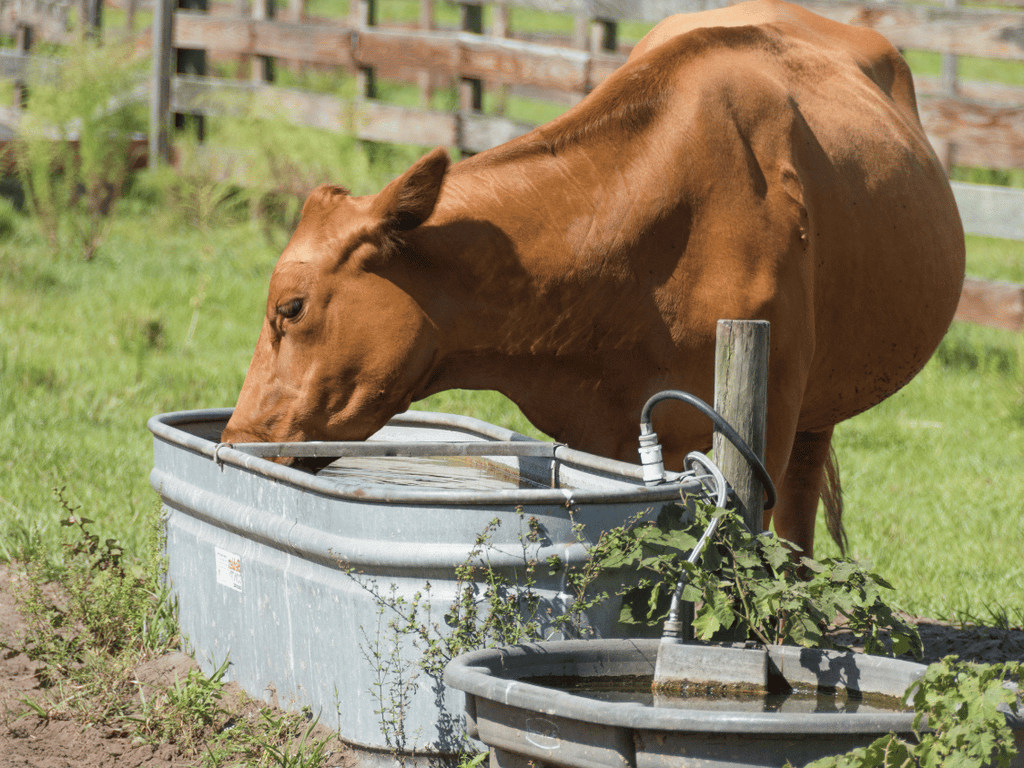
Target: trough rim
(164, 427)
(488, 674)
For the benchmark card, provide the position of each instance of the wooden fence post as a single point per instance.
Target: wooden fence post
(364, 14)
(595, 36)
(191, 61)
(471, 89)
(741, 392)
(131, 11)
(244, 61)
(500, 20)
(93, 17)
(425, 77)
(951, 88)
(297, 13)
(263, 69)
(23, 47)
(604, 36)
(160, 98)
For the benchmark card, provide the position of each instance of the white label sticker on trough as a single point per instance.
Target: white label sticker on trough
(229, 569)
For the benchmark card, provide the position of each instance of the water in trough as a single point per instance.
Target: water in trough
(444, 472)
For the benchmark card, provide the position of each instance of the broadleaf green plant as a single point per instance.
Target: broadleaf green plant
(966, 726)
(748, 586)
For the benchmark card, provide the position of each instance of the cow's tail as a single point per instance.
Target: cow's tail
(832, 499)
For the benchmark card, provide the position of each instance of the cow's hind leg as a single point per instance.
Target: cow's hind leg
(812, 473)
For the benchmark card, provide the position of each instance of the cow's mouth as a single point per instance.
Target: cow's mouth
(310, 464)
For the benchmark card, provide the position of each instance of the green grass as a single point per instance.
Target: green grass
(968, 67)
(995, 259)
(932, 480)
(932, 476)
(166, 315)
(86, 353)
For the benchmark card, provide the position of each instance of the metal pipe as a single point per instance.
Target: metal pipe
(674, 628)
(347, 449)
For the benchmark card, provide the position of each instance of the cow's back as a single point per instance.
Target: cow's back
(877, 57)
(868, 281)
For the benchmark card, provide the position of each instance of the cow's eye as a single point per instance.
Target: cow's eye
(290, 310)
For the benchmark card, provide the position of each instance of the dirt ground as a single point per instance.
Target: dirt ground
(28, 740)
(32, 741)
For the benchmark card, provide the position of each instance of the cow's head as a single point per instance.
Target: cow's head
(343, 346)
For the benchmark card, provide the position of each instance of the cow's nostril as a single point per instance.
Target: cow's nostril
(311, 464)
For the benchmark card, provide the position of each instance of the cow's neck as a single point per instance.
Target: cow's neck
(532, 248)
(534, 293)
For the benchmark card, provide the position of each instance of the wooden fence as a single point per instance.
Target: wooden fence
(970, 123)
(973, 124)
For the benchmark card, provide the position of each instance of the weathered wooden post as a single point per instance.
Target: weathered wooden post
(92, 15)
(604, 36)
(597, 35)
(131, 11)
(951, 89)
(741, 390)
(500, 28)
(23, 47)
(425, 77)
(244, 63)
(191, 61)
(364, 15)
(160, 96)
(263, 66)
(471, 89)
(741, 393)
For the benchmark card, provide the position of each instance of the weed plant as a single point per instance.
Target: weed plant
(491, 607)
(73, 155)
(94, 616)
(91, 616)
(744, 587)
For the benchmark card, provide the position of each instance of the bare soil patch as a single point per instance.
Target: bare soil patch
(29, 740)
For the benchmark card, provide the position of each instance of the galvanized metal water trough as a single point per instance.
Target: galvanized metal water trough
(276, 569)
(525, 721)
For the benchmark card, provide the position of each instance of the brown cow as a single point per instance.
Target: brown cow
(754, 162)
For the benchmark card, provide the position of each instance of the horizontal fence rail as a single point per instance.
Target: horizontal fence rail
(973, 123)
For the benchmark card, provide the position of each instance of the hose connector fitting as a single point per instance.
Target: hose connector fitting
(650, 456)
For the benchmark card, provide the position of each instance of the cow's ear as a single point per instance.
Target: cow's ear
(409, 200)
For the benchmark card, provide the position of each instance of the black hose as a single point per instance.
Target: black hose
(725, 428)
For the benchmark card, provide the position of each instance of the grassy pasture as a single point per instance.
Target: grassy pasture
(166, 315)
